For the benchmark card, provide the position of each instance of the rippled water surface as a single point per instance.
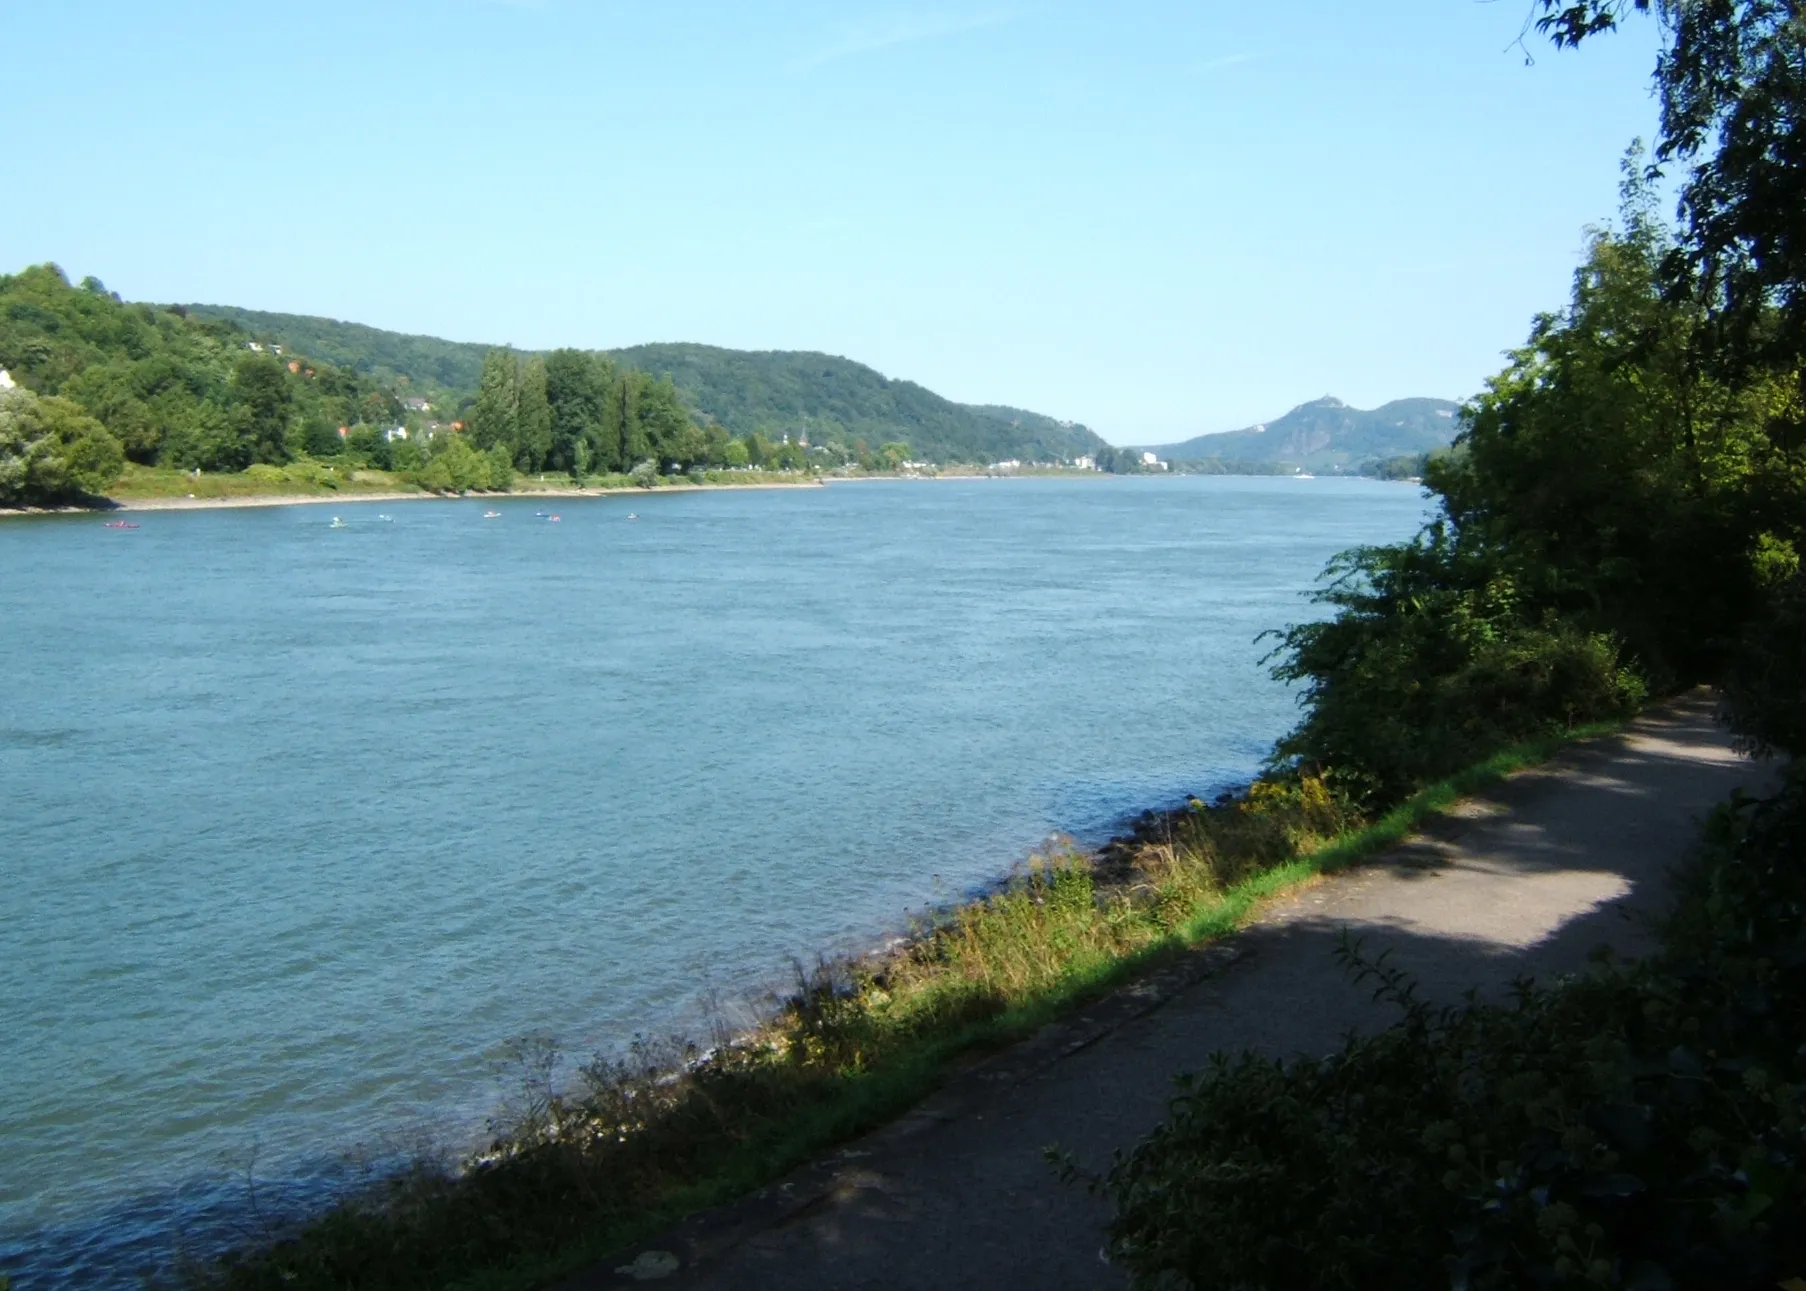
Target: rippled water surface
(302, 823)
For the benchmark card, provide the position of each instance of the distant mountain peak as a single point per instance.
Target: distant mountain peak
(1327, 434)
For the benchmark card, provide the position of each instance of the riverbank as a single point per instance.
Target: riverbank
(145, 489)
(224, 501)
(673, 1128)
(280, 500)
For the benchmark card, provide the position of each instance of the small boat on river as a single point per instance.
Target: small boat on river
(121, 524)
(338, 524)
(492, 515)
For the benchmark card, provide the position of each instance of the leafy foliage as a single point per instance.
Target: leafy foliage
(172, 390)
(177, 391)
(1432, 661)
(1733, 88)
(1764, 698)
(51, 451)
(1607, 519)
(1621, 481)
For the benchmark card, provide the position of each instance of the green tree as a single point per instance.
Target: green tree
(1611, 473)
(1732, 80)
(110, 393)
(498, 471)
(577, 390)
(1602, 522)
(454, 466)
(627, 428)
(495, 419)
(262, 407)
(206, 441)
(175, 390)
(52, 451)
(533, 424)
(665, 424)
(320, 436)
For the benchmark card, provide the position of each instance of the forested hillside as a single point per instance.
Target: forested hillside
(102, 380)
(1327, 434)
(836, 401)
(397, 358)
(219, 389)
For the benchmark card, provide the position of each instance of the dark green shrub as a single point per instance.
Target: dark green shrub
(1432, 663)
(1763, 695)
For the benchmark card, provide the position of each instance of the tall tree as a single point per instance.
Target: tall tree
(577, 386)
(262, 407)
(496, 417)
(533, 420)
(624, 419)
(669, 429)
(51, 450)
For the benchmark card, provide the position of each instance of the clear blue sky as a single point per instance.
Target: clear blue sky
(1157, 218)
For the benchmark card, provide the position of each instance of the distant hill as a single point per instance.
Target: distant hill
(775, 392)
(425, 361)
(798, 391)
(1326, 433)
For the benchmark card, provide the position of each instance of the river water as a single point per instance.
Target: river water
(304, 824)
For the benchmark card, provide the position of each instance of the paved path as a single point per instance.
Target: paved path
(1524, 880)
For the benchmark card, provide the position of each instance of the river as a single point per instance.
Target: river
(305, 823)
